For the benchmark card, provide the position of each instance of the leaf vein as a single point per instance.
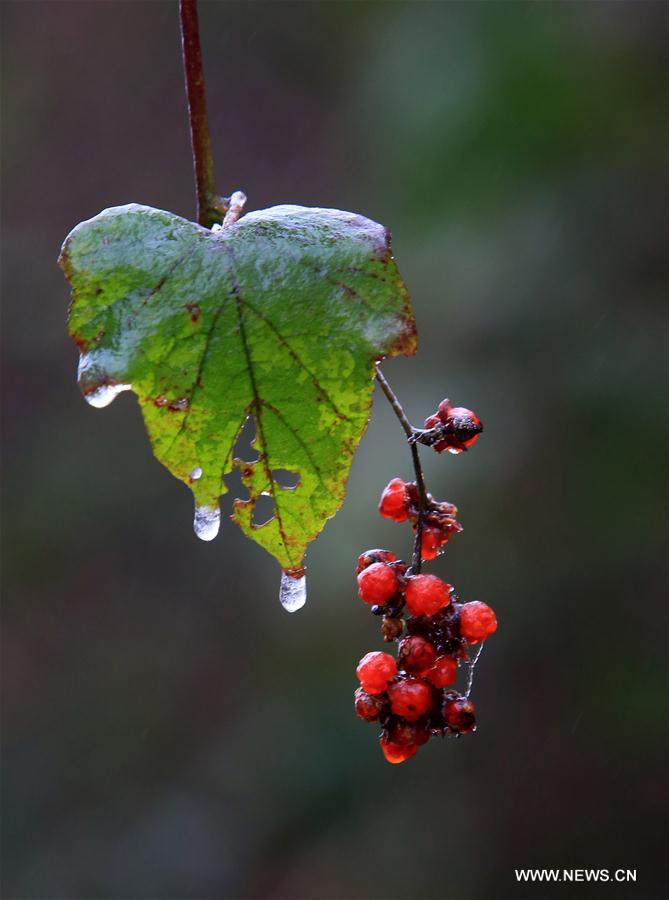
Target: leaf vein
(264, 456)
(319, 387)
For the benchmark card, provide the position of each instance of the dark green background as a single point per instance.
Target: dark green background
(169, 732)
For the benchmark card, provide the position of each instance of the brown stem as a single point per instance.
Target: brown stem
(417, 467)
(210, 207)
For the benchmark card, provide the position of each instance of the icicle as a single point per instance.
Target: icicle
(104, 395)
(207, 521)
(293, 591)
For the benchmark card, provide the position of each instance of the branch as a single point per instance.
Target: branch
(395, 403)
(410, 432)
(210, 207)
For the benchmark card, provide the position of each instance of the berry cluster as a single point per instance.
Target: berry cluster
(400, 502)
(412, 696)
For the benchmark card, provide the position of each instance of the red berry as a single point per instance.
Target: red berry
(477, 621)
(459, 714)
(416, 654)
(397, 753)
(410, 698)
(368, 706)
(374, 556)
(430, 542)
(377, 583)
(464, 427)
(394, 501)
(444, 672)
(425, 595)
(464, 420)
(375, 670)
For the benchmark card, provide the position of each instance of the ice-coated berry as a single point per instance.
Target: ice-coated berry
(459, 714)
(375, 670)
(369, 557)
(425, 595)
(416, 654)
(368, 706)
(394, 501)
(430, 541)
(377, 583)
(397, 753)
(477, 621)
(444, 672)
(438, 530)
(410, 698)
(460, 427)
(466, 425)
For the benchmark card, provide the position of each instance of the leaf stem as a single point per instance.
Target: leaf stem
(210, 207)
(410, 431)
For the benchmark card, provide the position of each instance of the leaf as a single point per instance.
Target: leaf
(279, 316)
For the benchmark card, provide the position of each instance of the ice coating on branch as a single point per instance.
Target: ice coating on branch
(293, 592)
(207, 522)
(105, 394)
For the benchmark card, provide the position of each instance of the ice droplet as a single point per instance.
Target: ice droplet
(195, 474)
(293, 592)
(207, 521)
(103, 395)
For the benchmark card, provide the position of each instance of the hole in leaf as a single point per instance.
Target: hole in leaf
(243, 445)
(236, 486)
(287, 479)
(263, 510)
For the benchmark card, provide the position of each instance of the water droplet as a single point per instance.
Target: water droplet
(102, 396)
(179, 405)
(195, 474)
(293, 592)
(207, 521)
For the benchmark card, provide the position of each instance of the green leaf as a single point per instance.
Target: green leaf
(279, 316)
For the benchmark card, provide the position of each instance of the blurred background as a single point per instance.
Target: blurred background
(169, 731)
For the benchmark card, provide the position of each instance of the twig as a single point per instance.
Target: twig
(418, 469)
(470, 672)
(210, 207)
